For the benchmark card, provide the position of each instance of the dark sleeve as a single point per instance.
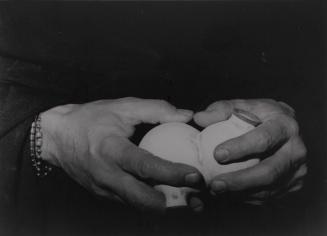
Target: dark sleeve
(25, 90)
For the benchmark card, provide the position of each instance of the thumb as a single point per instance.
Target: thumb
(152, 111)
(214, 113)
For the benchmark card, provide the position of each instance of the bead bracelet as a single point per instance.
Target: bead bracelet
(42, 169)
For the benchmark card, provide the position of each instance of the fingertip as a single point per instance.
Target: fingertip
(221, 155)
(186, 114)
(196, 204)
(203, 118)
(194, 179)
(177, 115)
(197, 117)
(218, 186)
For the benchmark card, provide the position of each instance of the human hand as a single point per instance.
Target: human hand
(90, 142)
(276, 142)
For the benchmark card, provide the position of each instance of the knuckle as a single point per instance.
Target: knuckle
(269, 174)
(164, 104)
(106, 147)
(144, 169)
(287, 108)
(98, 181)
(265, 140)
(299, 152)
(294, 127)
(291, 125)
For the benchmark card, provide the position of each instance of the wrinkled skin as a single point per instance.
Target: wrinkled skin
(276, 141)
(90, 142)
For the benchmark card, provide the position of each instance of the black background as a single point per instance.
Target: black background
(191, 54)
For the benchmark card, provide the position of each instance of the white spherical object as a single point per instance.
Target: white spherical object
(179, 142)
(173, 142)
(216, 134)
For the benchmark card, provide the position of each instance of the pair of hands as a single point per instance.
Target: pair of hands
(90, 142)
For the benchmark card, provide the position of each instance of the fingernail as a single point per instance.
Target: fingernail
(193, 178)
(218, 186)
(184, 112)
(196, 204)
(212, 193)
(221, 155)
(198, 208)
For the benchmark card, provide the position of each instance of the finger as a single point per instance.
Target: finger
(288, 109)
(301, 172)
(132, 191)
(299, 175)
(216, 112)
(264, 109)
(265, 174)
(294, 184)
(265, 137)
(138, 110)
(196, 204)
(296, 187)
(106, 194)
(146, 166)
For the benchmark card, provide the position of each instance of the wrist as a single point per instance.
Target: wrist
(52, 123)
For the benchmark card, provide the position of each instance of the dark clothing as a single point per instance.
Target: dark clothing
(188, 54)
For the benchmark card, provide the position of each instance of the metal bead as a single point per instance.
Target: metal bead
(38, 135)
(42, 169)
(38, 142)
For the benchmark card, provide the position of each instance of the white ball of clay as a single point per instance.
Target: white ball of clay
(179, 142)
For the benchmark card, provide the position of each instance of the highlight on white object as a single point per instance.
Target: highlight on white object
(179, 142)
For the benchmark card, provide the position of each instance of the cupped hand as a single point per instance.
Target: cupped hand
(90, 142)
(276, 141)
